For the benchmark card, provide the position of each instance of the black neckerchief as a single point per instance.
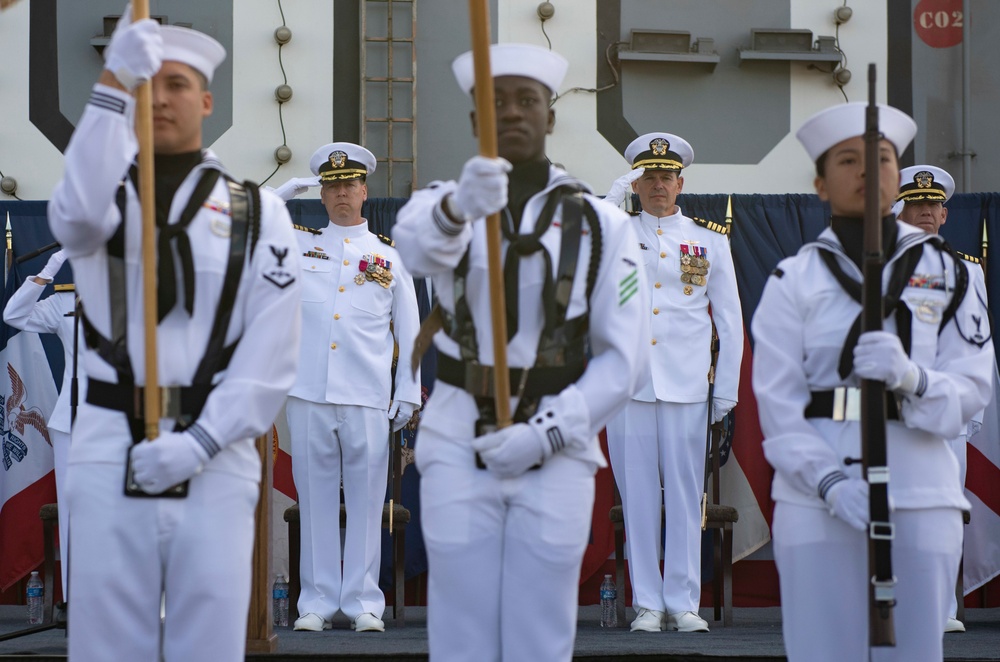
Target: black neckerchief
(850, 233)
(171, 170)
(525, 180)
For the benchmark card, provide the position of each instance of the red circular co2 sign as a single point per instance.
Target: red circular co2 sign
(939, 22)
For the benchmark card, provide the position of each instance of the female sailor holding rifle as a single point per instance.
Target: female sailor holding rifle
(934, 355)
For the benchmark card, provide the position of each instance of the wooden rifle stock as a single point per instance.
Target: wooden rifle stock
(873, 409)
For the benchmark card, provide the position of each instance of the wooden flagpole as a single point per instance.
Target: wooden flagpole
(147, 192)
(486, 128)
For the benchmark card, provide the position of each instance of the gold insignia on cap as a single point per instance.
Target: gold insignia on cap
(338, 159)
(659, 146)
(923, 179)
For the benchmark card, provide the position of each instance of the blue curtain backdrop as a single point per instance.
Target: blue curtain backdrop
(765, 229)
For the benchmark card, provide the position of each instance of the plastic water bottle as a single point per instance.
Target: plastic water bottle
(36, 598)
(609, 603)
(280, 595)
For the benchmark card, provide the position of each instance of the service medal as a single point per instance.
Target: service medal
(359, 279)
(698, 279)
(685, 259)
(929, 311)
(685, 278)
(688, 290)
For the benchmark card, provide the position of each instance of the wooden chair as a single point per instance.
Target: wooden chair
(49, 514)
(720, 520)
(393, 512)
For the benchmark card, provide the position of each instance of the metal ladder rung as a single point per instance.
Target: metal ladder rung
(386, 40)
(402, 120)
(387, 79)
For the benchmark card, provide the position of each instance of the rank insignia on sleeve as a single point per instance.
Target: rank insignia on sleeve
(278, 275)
(628, 287)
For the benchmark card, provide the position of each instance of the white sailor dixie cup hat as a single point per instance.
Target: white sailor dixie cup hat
(193, 48)
(339, 161)
(838, 123)
(541, 64)
(659, 151)
(925, 182)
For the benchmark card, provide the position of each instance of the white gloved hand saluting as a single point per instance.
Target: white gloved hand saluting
(721, 407)
(848, 500)
(482, 189)
(169, 460)
(879, 356)
(402, 415)
(623, 186)
(52, 267)
(295, 186)
(135, 51)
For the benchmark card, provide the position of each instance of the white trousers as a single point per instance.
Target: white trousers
(823, 570)
(127, 551)
(60, 459)
(959, 448)
(656, 445)
(504, 559)
(331, 443)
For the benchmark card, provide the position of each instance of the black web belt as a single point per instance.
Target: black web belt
(181, 403)
(844, 404)
(477, 379)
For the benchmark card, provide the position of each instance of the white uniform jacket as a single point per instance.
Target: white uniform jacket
(346, 353)
(680, 351)
(83, 215)
(432, 245)
(54, 314)
(799, 329)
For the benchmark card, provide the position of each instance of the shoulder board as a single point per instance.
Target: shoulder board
(721, 228)
(968, 258)
(386, 240)
(303, 228)
(67, 287)
(778, 272)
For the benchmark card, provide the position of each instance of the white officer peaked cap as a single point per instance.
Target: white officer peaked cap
(659, 151)
(838, 123)
(541, 64)
(337, 161)
(193, 48)
(925, 182)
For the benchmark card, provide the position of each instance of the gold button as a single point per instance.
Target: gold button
(654, 341)
(347, 240)
(657, 286)
(333, 346)
(663, 254)
(656, 311)
(313, 267)
(659, 231)
(341, 288)
(336, 316)
(346, 262)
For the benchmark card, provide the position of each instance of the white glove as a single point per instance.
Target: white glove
(510, 452)
(849, 501)
(879, 356)
(402, 416)
(167, 461)
(482, 188)
(52, 267)
(623, 186)
(295, 186)
(721, 407)
(135, 51)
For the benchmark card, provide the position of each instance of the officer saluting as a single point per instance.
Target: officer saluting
(357, 299)
(505, 539)
(936, 362)
(227, 346)
(658, 439)
(923, 191)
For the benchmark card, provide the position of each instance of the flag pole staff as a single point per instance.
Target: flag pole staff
(487, 133)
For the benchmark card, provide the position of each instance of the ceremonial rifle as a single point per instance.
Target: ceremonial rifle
(881, 630)
(486, 128)
(708, 435)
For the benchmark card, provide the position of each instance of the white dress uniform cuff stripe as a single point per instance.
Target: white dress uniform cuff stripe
(107, 102)
(444, 222)
(829, 481)
(204, 440)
